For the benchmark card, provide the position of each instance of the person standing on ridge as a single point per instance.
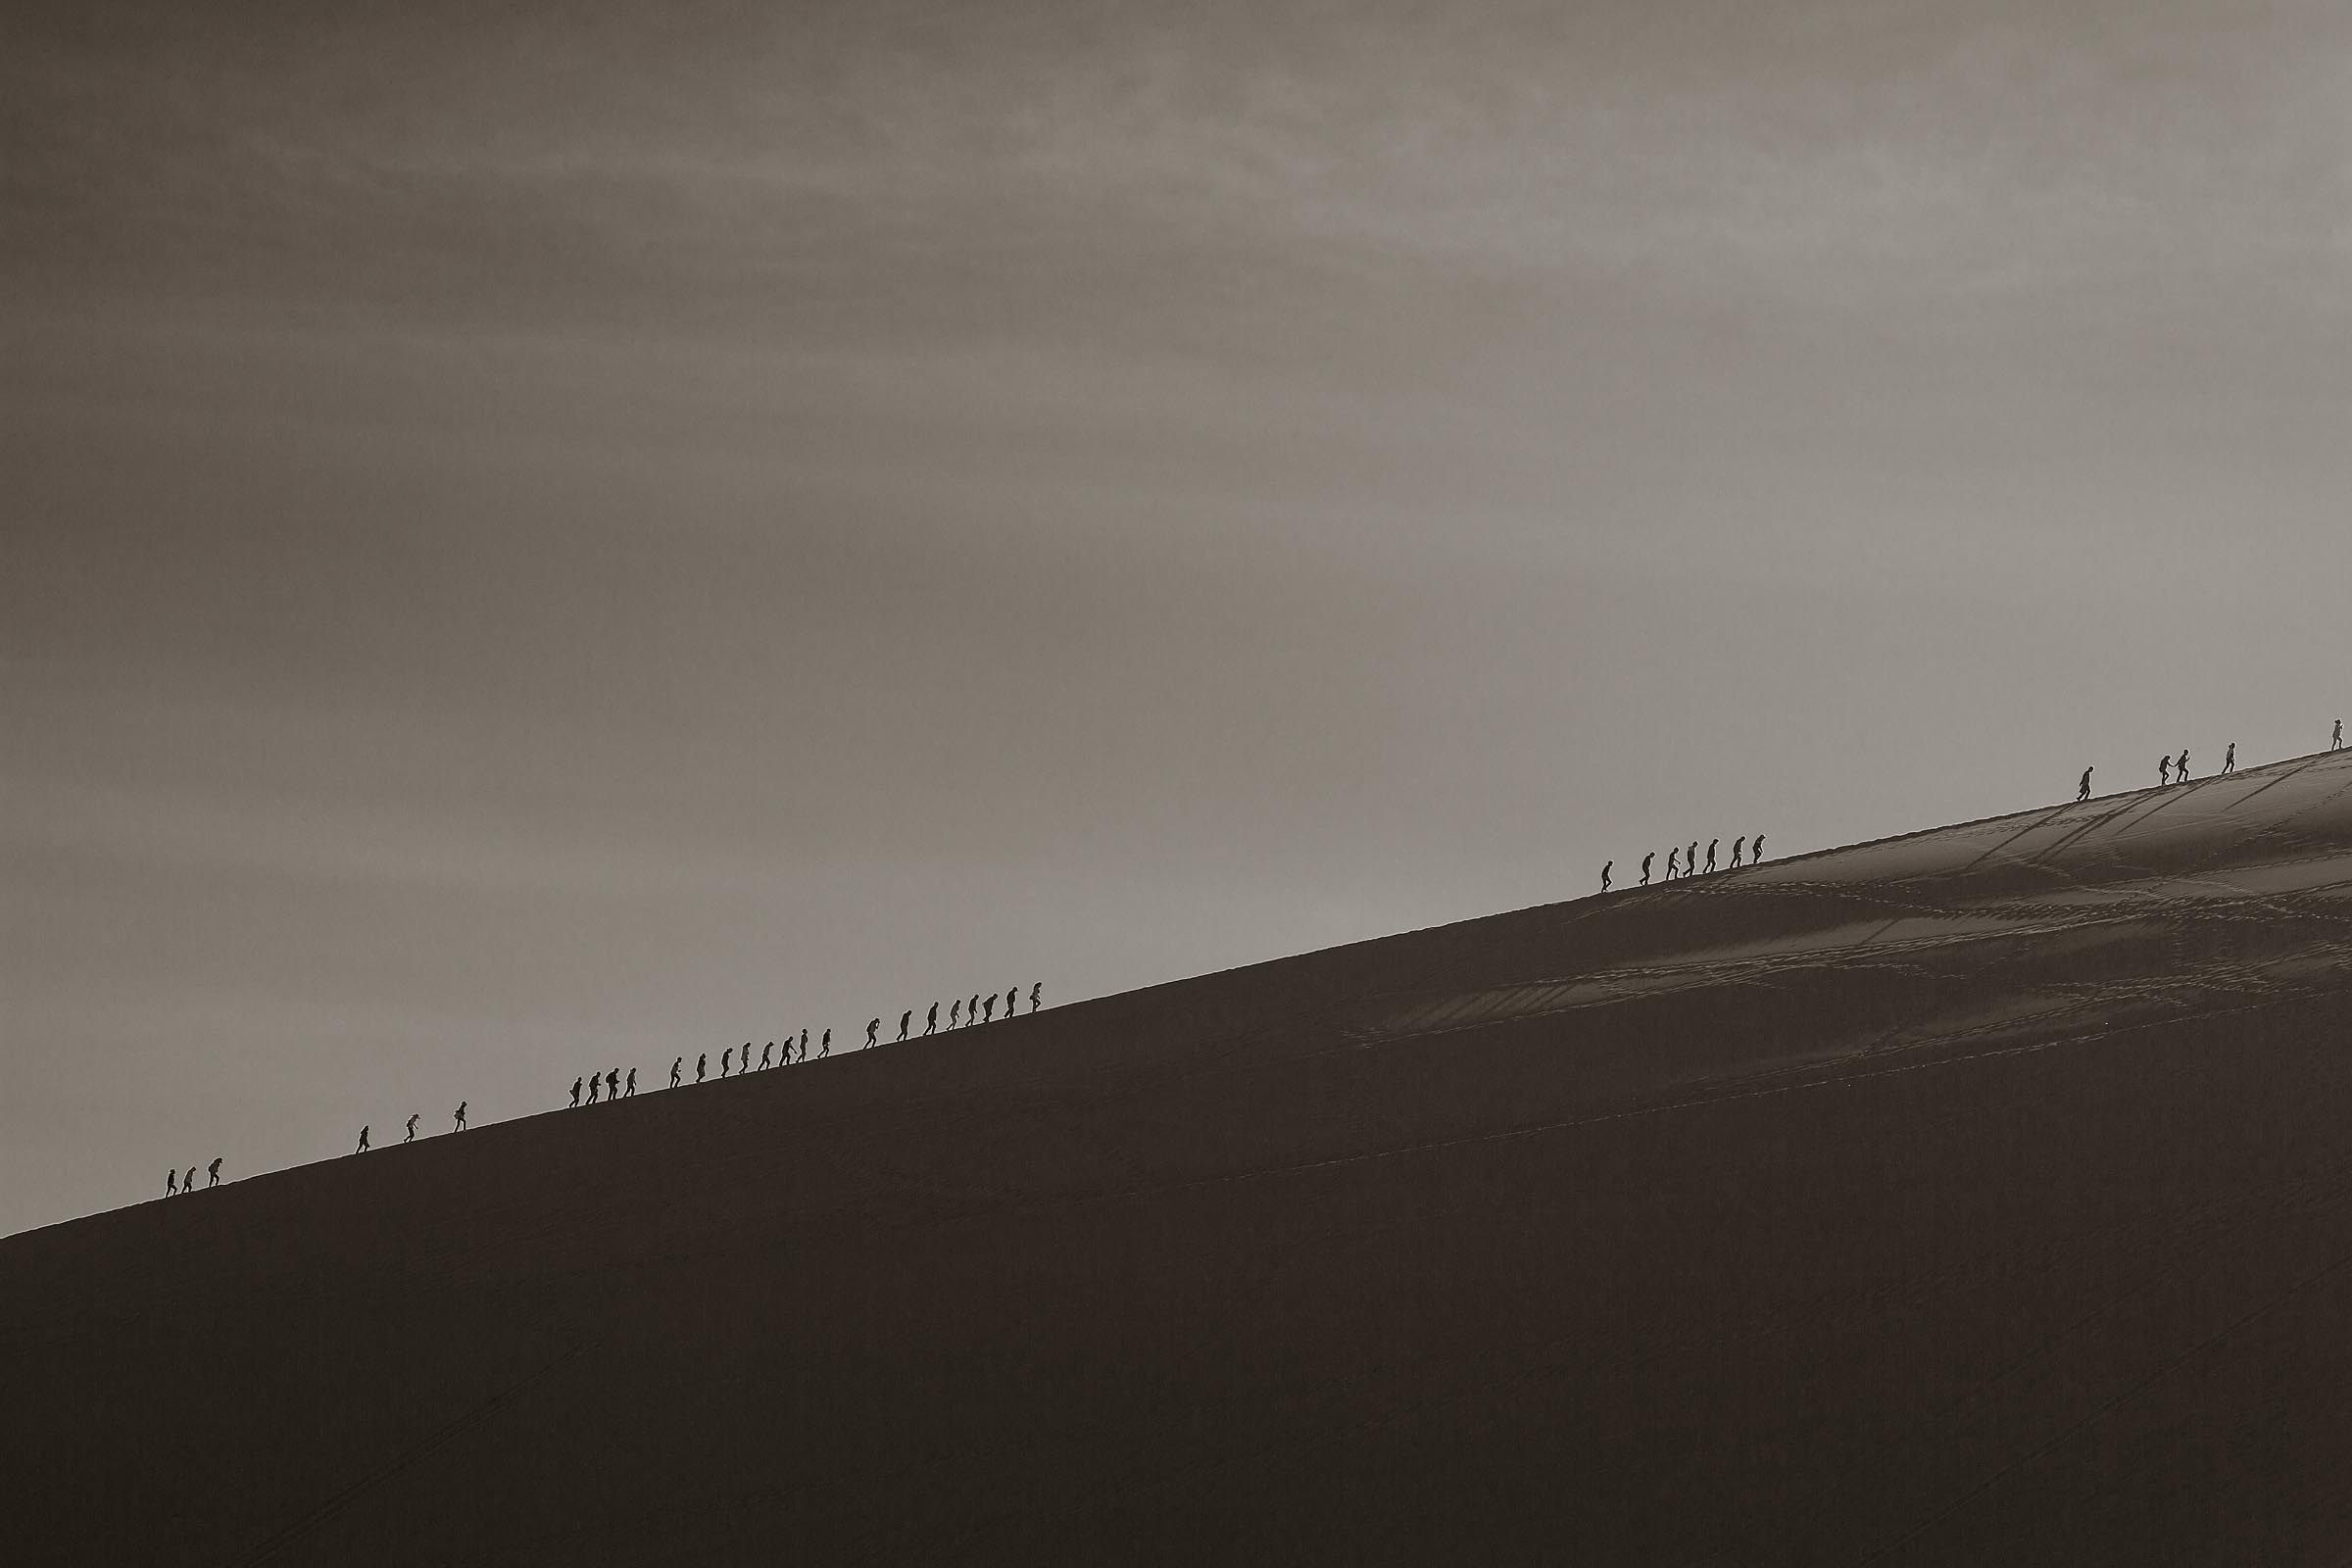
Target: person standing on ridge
(1755, 851)
(613, 1084)
(1645, 859)
(2180, 769)
(2336, 742)
(1034, 986)
(594, 1084)
(2164, 769)
(461, 1126)
(991, 1016)
(212, 1172)
(931, 1020)
(1672, 859)
(2230, 758)
(871, 1024)
(824, 1046)
(412, 1138)
(2082, 791)
(1012, 1000)
(1711, 843)
(1691, 860)
(701, 1065)
(768, 1055)
(1736, 845)
(805, 1042)
(187, 1183)
(362, 1149)
(971, 1009)
(724, 1057)
(956, 1013)
(1605, 867)
(632, 1081)
(906, 1022)
(172, 1182)
(675, 1069)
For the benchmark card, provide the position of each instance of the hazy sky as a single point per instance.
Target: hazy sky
(539, 538)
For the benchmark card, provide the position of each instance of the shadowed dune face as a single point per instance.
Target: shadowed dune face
(1980, 1195)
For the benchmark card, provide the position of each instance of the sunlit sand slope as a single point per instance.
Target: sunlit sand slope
(1981, 1196)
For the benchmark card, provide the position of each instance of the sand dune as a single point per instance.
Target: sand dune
(1977, 1196)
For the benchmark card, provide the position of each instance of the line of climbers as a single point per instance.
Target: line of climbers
(1682, 863)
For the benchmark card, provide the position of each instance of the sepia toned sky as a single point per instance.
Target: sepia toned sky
(540, 537)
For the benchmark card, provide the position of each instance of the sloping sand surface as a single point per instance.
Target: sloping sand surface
(1980, 1195)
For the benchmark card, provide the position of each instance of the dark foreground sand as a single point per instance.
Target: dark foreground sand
(1983, 1196)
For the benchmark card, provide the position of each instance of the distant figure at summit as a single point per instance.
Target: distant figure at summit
(594, 1084)
(824, 1046)
(2083, 792)
(362, 1149)
(1012, 1000)
(906, 1022)
(212, 1172)
(1711, 843)
(724, 1057)
(1605, 866)
(991, 1016)
(575, 1093)
(1645, 859)
(956, 1013)
(2230, 758)
(676, 1069)
(2164, 769)
(613, 1084)
(971, 1009)
(632, 1082)
(701, 1065)
(412, 1138)
(1034, 986)
(461, 1126)
(172, 1182)
(2180, 769)
(1672, 859)
(1737, 845)
(2336, 742)
(768, 1055)
(1755, 851)
(805, 1042)
(187, 1183)
(931, 1020)
(1691, 860)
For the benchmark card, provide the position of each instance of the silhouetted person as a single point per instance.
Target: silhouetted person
(1012, 1000)
(632, 1081)
(956, 1014)
(1035, 987)
(2180, 769)
(172, 1182)
(1645, 859)
(2082, 790)
(906, 1022)
(971, 1009)
(931, 1020)
(362, 1149)
(412, 1138)
(575, 1093)
(824, 1046)
(1605, 867)
(212, 1173)
(2230, 758)
(1711, 843)
(676, 1069)
(1736, 845)
(1755, 851)
(1691, 860)
(594, 1084)
(871, 1024)
(613, 1084)
(187, 1183)
(992, 1009)
(2336, 742)
(2164, 769)
(725, 1057)
(461, 1126)
(701, 1065)
(805, 1042)
(1672, 859)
